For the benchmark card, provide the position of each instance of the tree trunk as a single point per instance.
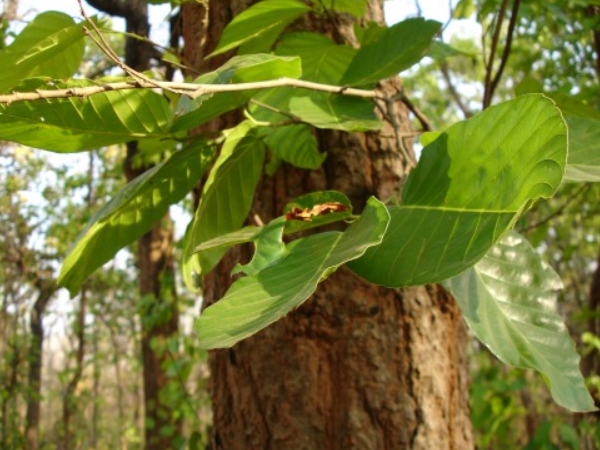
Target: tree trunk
(357, 366)
(159, 314)
(35, 358)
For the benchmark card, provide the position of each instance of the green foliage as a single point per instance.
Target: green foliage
(507, 300)
(73, 124)
(226, 199)
(461, 198)
(51, 46)
(398, 48)
(130, 214)
(255, 301)
(268, 17)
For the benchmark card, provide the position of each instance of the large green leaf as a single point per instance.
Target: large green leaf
(508, 300)
(468, 188)
(399, 48)
(295, 144)
(226, 200)
(130, 214)
(75, 124)
(335, 112)
(51, 45)
(584, 149)
(239, 69)
(323, 61)
(255, 301)
(259, 20)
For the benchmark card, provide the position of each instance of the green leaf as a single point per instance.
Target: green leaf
(260, 19)
(51, 45)
(334, 112)
(136, 208)
(253, 302)
(399, 48)
(269, 248)
(323, 61)
(467, 190)
(308, 201)
(583, 163)
(508, 299)
(226, 200)
(312, 199)
(240, 69)
(296, 145)
(355, 7)
(75, 124)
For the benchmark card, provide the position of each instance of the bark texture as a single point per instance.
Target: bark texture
(357, 365)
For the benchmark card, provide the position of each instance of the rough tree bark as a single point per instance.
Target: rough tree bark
(357, 366)
(159, 316)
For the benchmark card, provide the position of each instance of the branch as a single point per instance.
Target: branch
(453, 92)
(487, 94)
(190, 89)
(506, 53)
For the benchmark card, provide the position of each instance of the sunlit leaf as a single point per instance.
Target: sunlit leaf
(75, 124)
(469, 187)
(399, 48)
(256, 21)
(509, 301)
(240, 69)
(51, 45)
(135, 209)
(255, 301)
(323, 60)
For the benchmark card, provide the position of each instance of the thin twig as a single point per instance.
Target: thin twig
(190, 89)
(560, 210)
(453, 92)
(105, 47)
(487, 95)
(506, 52)
(421, 117)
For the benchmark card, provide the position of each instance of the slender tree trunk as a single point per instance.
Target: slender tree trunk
(357, 366)
(159, 315)
(69, 398)
(35, 356)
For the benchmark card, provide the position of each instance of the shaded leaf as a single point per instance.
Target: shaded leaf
(254, 302)
(240, 69)
(75, 124)
(509, 301)
(399, 48)
(51, 45)
(468, 188)
(296, 145)
(226, 200)
(135, 209)
(335, 112)
(257, 21)
(268, 248)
